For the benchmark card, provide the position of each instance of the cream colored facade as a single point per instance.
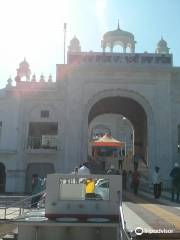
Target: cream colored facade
(142, 87)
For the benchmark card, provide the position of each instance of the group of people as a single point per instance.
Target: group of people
(175, 182)
(131, 181)
(84, 170)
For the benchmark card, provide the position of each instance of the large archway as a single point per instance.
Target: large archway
(129, 109)
(135, 108)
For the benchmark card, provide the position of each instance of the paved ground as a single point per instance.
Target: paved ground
(143, 211)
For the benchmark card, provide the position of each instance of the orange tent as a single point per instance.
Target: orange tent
(107, 141)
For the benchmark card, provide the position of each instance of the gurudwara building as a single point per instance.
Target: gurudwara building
(46, 126)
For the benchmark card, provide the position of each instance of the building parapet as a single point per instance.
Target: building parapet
(35, 85)
(120, 58)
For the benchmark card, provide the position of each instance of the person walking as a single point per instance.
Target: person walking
(84, 170)
(129, 180)
(175, 182)
(136, 160)
(156, 183)
(75, 173)
(37, 187)
(135, 181)
(120, 160)
(124, 179)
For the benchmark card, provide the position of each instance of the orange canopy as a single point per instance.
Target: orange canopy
(107, 141)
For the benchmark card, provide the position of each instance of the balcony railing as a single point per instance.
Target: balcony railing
(43, 142)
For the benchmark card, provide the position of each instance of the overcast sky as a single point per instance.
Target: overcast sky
(34, 29)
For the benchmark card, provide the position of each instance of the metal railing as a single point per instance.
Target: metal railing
(36, 143)
(16, 209)
(147, 186)
(122, 233)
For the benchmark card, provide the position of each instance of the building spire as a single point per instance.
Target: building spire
(118, 25)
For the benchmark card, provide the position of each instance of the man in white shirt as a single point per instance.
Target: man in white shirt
(156, 182)
(84, 170)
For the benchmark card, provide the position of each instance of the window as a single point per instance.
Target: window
(43, 135)
(44, 114)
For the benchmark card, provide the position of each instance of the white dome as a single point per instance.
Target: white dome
(162, 47)
(118, 37)
(74, 45)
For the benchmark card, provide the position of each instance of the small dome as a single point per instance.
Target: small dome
(33, 78)
(74, 45)
(42, 78)
(9, 82)
(24, 63)
(74, 41)
(23, 70)
(162, 43)
(162, 47)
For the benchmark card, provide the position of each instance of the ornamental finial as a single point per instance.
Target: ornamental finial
(118, 25)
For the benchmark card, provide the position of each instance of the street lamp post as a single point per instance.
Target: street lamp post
(65, 27)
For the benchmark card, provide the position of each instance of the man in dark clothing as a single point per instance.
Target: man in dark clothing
(175, 176)
(135, 181)
(136, 159)
(124, 179)
(121, 159)
(37, 187)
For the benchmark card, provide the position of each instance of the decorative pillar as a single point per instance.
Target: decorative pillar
(103, 45)
(112, 46)
(124, 48)
(132, 48)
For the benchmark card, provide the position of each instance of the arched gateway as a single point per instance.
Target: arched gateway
(135, 108)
